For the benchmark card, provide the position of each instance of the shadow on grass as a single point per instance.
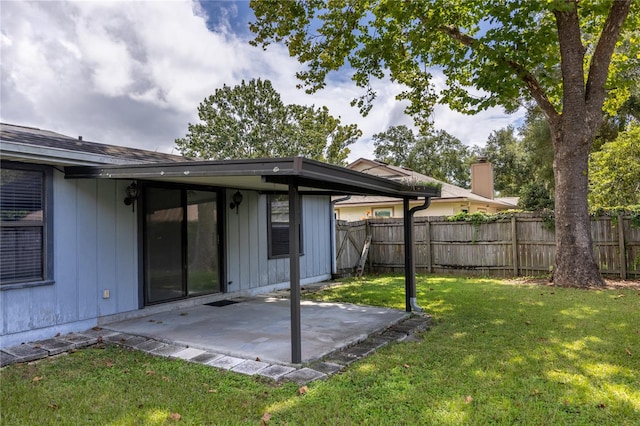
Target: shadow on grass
(499, 353)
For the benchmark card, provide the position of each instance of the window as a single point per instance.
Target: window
(383, 212)
(278, 226)
(25, 243)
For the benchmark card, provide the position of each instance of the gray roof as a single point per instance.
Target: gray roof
(449, 191)
(50, 144)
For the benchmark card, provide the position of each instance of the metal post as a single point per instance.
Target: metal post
(294, 272)
(409, 266)
(411, 301)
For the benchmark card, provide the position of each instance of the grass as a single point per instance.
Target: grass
(497, 354)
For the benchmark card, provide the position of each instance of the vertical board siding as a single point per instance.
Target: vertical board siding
(487, 248)
(126, 253)
(244, 215)
(248, 263)
(252, 240)
(232, 242)
(94, 247)
(261, 232)
(67, 254)
(107, 246)
(17, 309)
(86, 239)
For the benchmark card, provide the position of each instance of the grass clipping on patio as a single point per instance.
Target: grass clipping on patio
(498, 352)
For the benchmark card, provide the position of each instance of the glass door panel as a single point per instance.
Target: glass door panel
(164, 259)
(202, 243)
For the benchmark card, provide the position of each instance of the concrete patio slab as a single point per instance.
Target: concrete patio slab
(258, 328)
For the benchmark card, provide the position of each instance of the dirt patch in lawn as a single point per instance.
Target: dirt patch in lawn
(611, 284)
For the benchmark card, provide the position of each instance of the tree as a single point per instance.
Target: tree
(436, 154)
(394, 145)
(615, 172)
(535, 197)
(490, 53)
(251, 121)
(538, 148)
(626, 116)
(504, 150)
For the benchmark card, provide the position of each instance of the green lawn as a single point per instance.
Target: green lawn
(497, 354)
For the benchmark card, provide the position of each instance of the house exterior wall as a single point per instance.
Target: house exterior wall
(249, 269)
(355, 213)
(94, 249)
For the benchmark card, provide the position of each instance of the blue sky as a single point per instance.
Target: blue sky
(133, 73)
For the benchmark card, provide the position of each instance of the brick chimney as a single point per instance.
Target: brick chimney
(482, 178)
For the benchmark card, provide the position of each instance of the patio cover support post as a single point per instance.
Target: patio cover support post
(294, 272)
(411, 302)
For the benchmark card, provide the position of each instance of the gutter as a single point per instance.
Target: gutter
(410, 264)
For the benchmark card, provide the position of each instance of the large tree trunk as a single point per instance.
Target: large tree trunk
(575, 265)
(573, 132)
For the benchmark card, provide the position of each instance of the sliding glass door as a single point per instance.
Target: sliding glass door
(202, 243)
(180, 243)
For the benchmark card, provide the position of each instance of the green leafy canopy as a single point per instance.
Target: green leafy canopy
(251, 121)
(489, 52)
(614, 177)
(574, 58)
(435, 154)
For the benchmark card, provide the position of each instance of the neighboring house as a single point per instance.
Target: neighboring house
(94, 233)
(453, 199)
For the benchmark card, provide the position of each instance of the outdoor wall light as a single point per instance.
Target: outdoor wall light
(132, 192)
(237, 199)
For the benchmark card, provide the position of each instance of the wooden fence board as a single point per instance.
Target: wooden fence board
(507, 247)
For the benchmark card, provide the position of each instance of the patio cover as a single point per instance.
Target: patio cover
(295, 175)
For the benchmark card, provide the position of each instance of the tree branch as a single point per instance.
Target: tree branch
(572, 53)
(537, 92)
(601, 59)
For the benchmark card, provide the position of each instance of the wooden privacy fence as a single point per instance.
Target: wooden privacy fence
(516, 246)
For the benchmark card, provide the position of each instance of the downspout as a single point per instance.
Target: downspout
(334, 261)
(410, 264)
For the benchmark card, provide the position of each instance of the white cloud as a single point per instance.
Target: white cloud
(133, 73)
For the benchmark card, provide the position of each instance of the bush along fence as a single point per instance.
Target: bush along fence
(521, 244)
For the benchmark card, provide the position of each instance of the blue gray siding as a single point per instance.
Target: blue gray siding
(95, 249)
(248, 265)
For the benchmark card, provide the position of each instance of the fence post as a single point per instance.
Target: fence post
(514, 244)
(428, 245)
(369, 232)
(621, 246)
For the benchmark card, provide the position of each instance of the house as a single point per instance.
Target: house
(95, 233)
(453, 199)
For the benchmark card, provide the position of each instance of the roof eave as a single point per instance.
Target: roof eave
(277, 170)
(20, 152)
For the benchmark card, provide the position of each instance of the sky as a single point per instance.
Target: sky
(133, 73)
